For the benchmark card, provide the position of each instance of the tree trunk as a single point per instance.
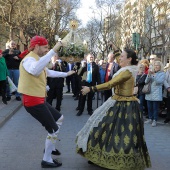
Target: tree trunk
(11, 33)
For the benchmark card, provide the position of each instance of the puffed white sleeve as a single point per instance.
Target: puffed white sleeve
(36, 67)
(52, 73)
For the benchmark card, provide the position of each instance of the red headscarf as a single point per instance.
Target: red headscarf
(34, 41)
(37, 40)
(1, 51)
(24, 53)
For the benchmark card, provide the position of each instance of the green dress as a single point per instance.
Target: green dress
(113, 136)
(3, 69)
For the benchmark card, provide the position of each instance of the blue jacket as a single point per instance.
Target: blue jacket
(102, 74)
(67, 68)
(157, 81)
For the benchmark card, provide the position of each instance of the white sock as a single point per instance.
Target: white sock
(49, 147)
(59, 123)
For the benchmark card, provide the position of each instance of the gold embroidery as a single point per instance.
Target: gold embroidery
(134, 115)
(110, 126)
(117, 139)
(128, 103)
(110, 139)
(120, 114)
(96, 135)
(106, 151)
(122, 128)
(130, 127)
(103, 136)
(111, 113)
(116, 160)
(135, 139)
(53, 139)
(126, 140)
(103, 125)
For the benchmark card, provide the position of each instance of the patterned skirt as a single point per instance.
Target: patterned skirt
(117, 142)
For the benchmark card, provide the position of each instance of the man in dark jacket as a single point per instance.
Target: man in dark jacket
(56, 84)
(77, 80)
(90, 76)
(70, 79)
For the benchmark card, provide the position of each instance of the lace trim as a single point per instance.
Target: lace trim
(93, 121)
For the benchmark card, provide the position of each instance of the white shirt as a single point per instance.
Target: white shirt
(69, 64)
(36, 67)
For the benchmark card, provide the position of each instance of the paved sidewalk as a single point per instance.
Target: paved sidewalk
(7, 111)
(22, 141)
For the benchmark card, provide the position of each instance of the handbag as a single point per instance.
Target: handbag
(147, 88)
(12, 86)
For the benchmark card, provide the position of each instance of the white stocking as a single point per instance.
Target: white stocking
(59, 123)
(50, 146)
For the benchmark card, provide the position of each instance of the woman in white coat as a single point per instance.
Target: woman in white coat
(156, 78)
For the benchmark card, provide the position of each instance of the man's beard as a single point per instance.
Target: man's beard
(40, 53)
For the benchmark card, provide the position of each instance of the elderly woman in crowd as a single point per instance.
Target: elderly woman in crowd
(156, 78)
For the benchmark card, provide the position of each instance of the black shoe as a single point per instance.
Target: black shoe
(90, 113)
(56, 161)
(74, 95)
(8, 98)
(79, 113)
(45, 164)
(147, 116)
(4, 101)
(76, 98)
(56, 152)
(77, 108)
(67, 91)
(58, 109)
(18, 98)
(167, 120)
(89, 162)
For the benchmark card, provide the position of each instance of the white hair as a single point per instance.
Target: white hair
(159, 63)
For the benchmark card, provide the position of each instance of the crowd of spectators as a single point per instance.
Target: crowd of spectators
(91, 71)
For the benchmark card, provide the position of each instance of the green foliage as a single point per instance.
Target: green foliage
(73, 50)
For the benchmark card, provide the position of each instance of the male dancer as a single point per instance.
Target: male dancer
(32, 84)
